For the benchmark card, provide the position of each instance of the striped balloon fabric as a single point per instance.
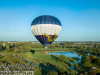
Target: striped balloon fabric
(46, 26)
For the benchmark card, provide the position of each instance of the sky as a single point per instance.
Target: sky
(80, 19)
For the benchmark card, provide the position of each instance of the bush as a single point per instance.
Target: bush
(61, 70)
(62, 58)
(93, 59)
(87, 64)
(92, 72)
(76, 65)
(97, 61)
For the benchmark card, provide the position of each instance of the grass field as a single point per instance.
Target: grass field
(54, 59)
(48, 57)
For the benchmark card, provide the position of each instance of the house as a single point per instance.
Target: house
(3, 45)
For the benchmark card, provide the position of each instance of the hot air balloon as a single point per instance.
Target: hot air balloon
(46, 29)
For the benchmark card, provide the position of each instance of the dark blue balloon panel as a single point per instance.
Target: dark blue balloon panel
(46, 19)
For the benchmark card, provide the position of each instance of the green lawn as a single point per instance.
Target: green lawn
(48, 57)
(2, 58)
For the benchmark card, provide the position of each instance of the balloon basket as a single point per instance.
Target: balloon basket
(46, 51)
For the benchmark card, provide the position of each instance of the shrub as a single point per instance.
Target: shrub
(62, 58)
(92, 72)
(76, 65)
(62, 70)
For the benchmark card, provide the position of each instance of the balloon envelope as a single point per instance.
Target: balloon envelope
(48, 25)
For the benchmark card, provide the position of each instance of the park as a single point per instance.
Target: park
(62, 58)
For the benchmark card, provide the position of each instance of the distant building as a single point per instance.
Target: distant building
(12, 42)
(12, 45)
(86, 46)
(9, 42)
(3, 45)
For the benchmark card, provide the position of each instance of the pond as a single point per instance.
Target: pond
(68, 54)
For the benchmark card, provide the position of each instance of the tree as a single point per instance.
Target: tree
(62, 74)
(98, 61)
(76, 47)
(61, 70)
(78, 50)
(51, 46)
(76, 65)
(72, 43)
(52, 72)
(67, 67)
(87, 59)
(73, 73)
(62, 58)
(63, 46)
(70, 64)
(81, 74)
(25, 48)
(60, 46)
(7, 44)
(7, 48)
(76, 72)
(87, 62)
(93, 58)
(10, 46)
(0, 46)
(16, 45)
(92, 72)
(98, 71)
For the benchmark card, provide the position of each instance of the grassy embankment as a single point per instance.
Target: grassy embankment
(54, 59)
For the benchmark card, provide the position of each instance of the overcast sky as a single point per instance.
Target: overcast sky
(80, 19)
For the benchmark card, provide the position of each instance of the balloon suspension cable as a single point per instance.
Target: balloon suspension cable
(46, 50)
